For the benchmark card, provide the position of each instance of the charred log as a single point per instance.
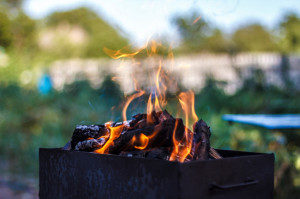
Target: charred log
(201, 144)
(83, 132)
(161, 135)
(157, 129)
(90, 145)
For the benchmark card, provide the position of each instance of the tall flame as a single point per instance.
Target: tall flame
(156, 102)
(182, 148)
(129, 100)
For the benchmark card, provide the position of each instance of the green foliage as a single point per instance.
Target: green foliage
(23, 30)
(198, 35)
(253, 37)
(5, 29)
(12, 3)
(100, 33)
(216, 42)
(290, 28)
(193, 34)
(29, 120)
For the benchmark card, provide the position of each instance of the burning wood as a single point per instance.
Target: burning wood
(156, 134)
(139, 138)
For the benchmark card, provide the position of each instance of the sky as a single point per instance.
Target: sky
(142, 19)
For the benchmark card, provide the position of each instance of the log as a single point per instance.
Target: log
(158, 132)
(67, 147)
(161, 134)
(90, 145)
(83, 132)
(201, 145)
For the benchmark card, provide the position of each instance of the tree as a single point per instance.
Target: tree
(192, 30)
(253, 37)
(23, 30)
(12, 4)
(100, 33)
(290, 29)
(216, 42)
(5, 29)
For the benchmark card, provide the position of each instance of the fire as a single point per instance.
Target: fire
(118, 54)
(142, 142)
(129, 100)
(149, 109)
(114, 133)
(182, 148)
(197, 19)
(174, 153)
(156, 102)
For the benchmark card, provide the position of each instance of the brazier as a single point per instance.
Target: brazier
(75, 174)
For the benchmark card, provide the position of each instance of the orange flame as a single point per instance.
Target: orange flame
(129, 100)
(182, 148)
(117, 54)
(174, 153)
(149, 110)
(156, 102)
(196, 20)
(142, 143)
(143, 140)
(115, 132)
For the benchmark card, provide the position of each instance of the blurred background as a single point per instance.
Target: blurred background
(239, 57)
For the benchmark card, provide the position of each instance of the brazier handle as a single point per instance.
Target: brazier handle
(230, 186)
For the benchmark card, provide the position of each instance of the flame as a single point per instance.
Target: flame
(129, 100)
(196, 20)
(174, 153)
(114, 133)
(117, 54)
(156, 102)
(182, 148)
(149, 110)
(143, 141)
(187, 102)
(159, 95)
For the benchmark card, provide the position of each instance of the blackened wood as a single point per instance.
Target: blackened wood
(201, 144)
(90, 145)
(67, 146)
(161, 134)
(83, 132)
